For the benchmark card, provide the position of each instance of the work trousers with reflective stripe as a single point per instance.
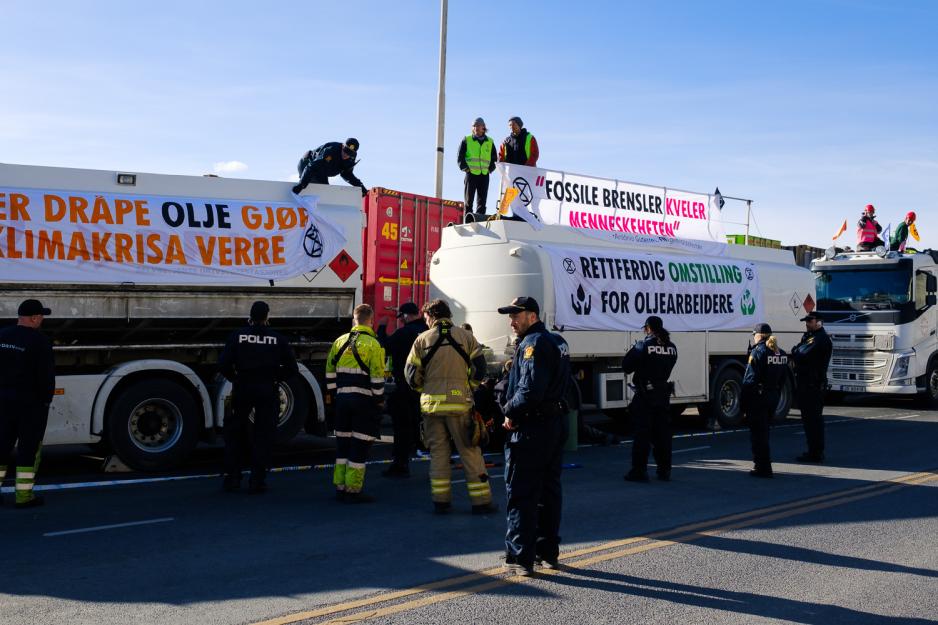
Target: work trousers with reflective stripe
(533, 462)
(246, 440)
(650, 422)
(476, 187)
(357, 420)
(759, 408)
(22, 425)
(437, 431)
(811, 404)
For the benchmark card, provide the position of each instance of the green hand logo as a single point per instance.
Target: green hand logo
(747, 304)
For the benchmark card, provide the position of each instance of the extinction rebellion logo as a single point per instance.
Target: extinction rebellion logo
(524, 189)
(312, 242)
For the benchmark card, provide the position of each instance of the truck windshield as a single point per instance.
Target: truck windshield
(864, 289)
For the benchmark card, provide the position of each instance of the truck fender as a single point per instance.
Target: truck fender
(223, 389)
(118, 373)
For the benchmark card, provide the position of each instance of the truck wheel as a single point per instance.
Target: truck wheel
(153, 424)
(294, 408)
(726, 402)
(929, 399)
(785, 398)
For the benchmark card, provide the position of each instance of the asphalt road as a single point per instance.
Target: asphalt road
(852, 541)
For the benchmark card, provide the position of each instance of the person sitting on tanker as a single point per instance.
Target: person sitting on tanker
(900, 235)
(328, 160)
(868, 230)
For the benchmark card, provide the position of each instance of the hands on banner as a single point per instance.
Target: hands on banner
(85, 237)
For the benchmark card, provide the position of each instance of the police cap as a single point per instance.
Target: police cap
(409, 308)
(520, 304)
(259, 311)
(762, 328)
(32, 307)
(810, 317)
(654, 323)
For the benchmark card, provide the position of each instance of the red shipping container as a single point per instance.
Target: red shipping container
(402, 231)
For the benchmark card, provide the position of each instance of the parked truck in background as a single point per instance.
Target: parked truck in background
(136, 362)
(482, 266)
(879, 309)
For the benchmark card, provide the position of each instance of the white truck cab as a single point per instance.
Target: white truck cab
(879, 309)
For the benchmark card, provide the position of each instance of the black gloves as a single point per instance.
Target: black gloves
(364, 191)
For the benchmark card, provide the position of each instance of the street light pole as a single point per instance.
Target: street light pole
(441, 101)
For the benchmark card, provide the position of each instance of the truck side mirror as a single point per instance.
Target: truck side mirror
(930, 299)
(931, 283)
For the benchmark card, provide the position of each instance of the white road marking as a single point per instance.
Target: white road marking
(99, 528)
(681, 451)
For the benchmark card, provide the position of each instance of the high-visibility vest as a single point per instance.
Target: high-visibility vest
(527, 145)
(478, 155)
(867, 234)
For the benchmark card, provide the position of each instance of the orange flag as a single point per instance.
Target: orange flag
(843, 229)
(914, 232)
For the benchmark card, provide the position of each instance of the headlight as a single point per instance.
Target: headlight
(901, 368)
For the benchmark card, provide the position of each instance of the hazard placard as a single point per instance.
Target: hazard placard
(343, 265)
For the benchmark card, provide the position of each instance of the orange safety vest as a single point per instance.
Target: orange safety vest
(867, 234)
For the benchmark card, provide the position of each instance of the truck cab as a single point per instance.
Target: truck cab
(879, 309)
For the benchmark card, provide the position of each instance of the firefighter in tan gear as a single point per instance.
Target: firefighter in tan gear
(444, 366)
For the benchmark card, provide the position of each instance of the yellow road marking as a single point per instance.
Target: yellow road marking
(679, 534)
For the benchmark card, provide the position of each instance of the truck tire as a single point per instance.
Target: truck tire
(153, 424)
(726, 401)
(294, 408)
(786, 397)
(929, 398)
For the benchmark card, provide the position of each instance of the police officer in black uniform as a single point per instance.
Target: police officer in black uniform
(330, 159)
(765, 374)
(404, 403)
(811, 357)
(27, 384)
(535, 417)
(651, 360)
(255, 358)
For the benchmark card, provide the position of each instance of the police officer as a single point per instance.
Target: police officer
(255, 358)
(330, 159)
(27, 383)
(404, 403)
(651, 360)
(535, 417)
(811, 357)
(445, 365)
(765, 373)
(355, 376)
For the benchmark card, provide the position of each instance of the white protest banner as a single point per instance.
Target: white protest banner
(604, 289)
(619, 211)
(51, 235)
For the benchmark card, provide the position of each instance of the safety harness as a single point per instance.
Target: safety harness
(352, 338)
(445, 338)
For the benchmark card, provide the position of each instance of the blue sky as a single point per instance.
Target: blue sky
(812, 109)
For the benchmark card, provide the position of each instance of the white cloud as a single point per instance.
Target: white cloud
(229, 167)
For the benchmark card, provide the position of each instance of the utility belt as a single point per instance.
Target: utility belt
(651, 387)
(546, 411)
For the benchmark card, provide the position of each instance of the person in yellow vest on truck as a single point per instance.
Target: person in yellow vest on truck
(445, 365)
(355, 378)
(477, 158)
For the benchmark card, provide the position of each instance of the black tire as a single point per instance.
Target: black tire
(726, 399)
(786, 396)
(153, 424)
(295, 408)
(929, 398)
